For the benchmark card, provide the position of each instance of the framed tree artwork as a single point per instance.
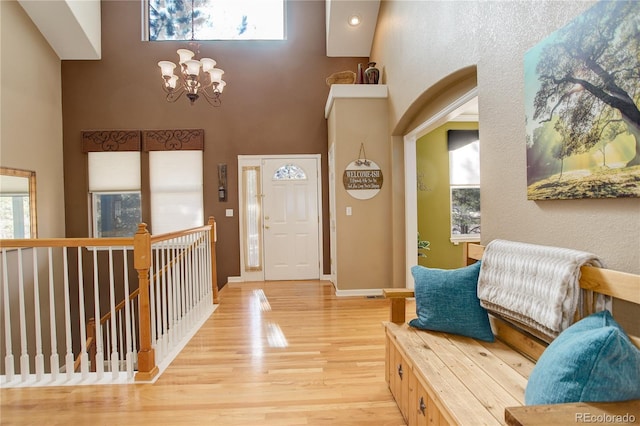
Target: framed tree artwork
(582, 107)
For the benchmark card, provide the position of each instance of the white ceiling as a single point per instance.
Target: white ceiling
(342, 38)
(72, 27)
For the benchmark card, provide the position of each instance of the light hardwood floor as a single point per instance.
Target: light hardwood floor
(276, 353)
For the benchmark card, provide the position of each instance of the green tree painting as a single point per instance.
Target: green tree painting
(582, 99)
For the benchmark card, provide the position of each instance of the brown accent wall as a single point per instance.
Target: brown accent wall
(273, 104)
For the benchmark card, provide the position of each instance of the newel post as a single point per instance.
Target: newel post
(214, 268)
(147, 368)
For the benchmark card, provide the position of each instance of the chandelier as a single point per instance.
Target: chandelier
(196, 77)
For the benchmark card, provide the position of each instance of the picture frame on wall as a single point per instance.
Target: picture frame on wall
(582, 107)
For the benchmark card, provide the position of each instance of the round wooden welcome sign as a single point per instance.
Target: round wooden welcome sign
(362, 179)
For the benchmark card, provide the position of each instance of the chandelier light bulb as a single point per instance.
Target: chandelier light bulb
(215, 74)
(172, 82)
(185, 55)
(193, 67)
(166, 68)
(207, 64)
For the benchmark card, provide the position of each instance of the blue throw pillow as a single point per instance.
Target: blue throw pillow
(447, 300)
(591, 361)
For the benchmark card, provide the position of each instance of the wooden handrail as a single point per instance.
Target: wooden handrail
(67, 242)
(141, 244)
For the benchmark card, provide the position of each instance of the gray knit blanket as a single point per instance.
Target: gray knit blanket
(536, 287)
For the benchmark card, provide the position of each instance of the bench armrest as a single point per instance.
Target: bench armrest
(579, 412)
(398, 305)
(392, 293)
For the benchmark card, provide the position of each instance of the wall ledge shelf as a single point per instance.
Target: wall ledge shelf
(354, 91)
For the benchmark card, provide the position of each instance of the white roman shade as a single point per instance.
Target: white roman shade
(111, 171)
(176, 190)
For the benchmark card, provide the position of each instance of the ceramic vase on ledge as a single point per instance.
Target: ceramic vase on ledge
(360, 74)
(371, 74)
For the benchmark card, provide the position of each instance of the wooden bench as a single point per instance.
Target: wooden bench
(444, 379)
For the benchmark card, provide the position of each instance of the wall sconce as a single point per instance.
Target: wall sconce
(222, 182)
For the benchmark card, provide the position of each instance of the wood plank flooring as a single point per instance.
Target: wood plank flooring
(275, 353)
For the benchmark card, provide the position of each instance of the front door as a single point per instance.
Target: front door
(291, 219)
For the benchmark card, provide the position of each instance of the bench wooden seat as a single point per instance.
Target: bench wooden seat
(444, 379)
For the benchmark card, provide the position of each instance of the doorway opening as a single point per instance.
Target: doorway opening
(463, 108)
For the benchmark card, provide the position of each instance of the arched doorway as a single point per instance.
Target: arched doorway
(434, 107)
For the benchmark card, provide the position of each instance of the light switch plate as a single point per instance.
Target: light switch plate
(349, 212)
(229, 213)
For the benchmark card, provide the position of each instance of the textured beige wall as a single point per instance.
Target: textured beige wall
(364, 249)
(421, 43)
(31, 139)
(31, 113)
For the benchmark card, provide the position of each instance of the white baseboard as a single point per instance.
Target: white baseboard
(235, 280)
(359, 292)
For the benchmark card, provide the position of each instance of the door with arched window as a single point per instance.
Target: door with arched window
(280, 218)
(290, 219)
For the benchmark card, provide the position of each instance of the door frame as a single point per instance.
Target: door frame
(256, 160)
(411, 176)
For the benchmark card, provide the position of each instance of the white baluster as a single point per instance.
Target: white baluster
(69, 361)
(135, 313)
(152, 299)
(24, 350)
(208, 270)
(84, 356)
(107, 346)
(96, 307)
(195, 280)
(190, 280)
(121, 350)
(181, 281)
(156, 303)
(39, 361)
(114, 334)
(164, 307)
(55, 359)
(172, 295)
(127, 317)
(9, 367)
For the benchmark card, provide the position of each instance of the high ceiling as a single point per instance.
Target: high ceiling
(344, 39)
(72, 27)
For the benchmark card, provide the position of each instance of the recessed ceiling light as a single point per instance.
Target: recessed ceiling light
(354, 20)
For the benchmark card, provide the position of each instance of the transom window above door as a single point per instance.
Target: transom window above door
(214, 20)
(289, 172)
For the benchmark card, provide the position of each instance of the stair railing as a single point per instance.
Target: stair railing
(46, 296)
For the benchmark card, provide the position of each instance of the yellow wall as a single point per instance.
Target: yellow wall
(434, 221)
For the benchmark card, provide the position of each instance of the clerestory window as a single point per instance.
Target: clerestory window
(214, 20)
